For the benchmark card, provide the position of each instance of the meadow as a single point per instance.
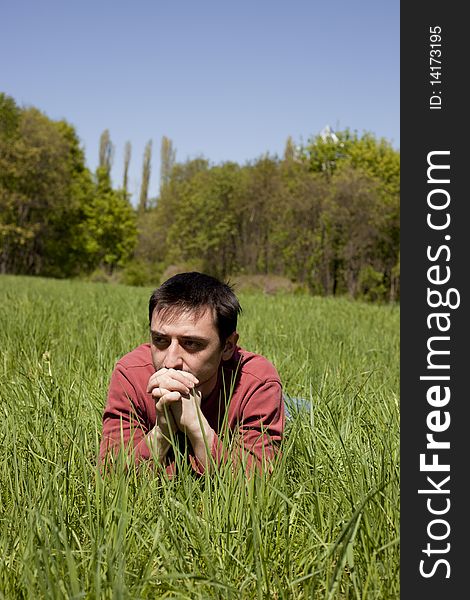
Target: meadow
(324, 525)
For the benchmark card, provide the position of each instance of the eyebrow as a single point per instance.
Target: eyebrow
(194, 338)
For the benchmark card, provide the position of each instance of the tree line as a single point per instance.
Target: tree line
(324, 215)
(57, 218)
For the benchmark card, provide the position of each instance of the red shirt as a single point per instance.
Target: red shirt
(255, 407)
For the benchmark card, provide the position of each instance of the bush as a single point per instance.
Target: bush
(371, 285)
(268, 284)
(141, 273)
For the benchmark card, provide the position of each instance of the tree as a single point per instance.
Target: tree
(146, 168)
(127, 160)
(203, 229)
(361, 158)
(352, 224)
(109, 227)
(9, 117)
(106, 155)
(254, 212)
(376, 157)
(325, 216)
(44, 185)
(295, 235)
(289, 150)
(167, 161)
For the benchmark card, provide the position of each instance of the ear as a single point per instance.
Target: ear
(229, 347)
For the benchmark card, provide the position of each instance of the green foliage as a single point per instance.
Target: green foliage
(127, 160)
(295, 234)
(167, 161)
(371, 284)
(109, 228)
(204, 224)
(326, 215)
(353, 220)
(106, 154)
(146, 170)
(55, 220)
(284, 217)
(325, 524)
(376, 157)
(43, 187)
(139, 272)
(9, 117)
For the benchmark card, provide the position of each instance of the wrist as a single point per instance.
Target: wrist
(159, 443)
(202, 438)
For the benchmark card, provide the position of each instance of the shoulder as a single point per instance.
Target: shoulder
(254, 366)
(257, 388)
(138, 359)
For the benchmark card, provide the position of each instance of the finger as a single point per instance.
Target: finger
(196, 396)
(158, 392)
(155, 378)
(176, 382)
(164, 404)
(152, 382)
(171, 385)
(163, 411)
(171, 380)
(168, 398)
(183, 376)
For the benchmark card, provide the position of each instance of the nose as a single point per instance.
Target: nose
(173, 358)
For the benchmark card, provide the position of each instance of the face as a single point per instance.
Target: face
(191, 344)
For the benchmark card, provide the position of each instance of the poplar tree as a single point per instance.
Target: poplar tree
(167, 161)
(289, 150)
(127, 160)
(146, 167)
(106, 152)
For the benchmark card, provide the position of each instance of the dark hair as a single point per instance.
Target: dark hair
(196, 292)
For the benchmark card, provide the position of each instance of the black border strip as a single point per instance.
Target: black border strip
(434, 255)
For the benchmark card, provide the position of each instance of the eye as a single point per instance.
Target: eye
(192, 345)
(159, 341)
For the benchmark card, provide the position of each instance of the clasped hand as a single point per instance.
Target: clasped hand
(177, 401)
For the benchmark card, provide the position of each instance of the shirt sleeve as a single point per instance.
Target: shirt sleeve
(124, 419)
(253, 440)
(258, 433)
(262, 423)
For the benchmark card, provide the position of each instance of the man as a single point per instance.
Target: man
(193, 386)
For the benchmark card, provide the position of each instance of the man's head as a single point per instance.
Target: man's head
(193, 321)
(196, 293)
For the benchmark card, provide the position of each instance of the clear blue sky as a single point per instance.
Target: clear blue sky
(223, 80)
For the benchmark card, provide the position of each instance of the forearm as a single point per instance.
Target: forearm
(159, 443)
(202, 442)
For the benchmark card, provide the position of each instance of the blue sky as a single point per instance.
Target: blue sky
(223, 80)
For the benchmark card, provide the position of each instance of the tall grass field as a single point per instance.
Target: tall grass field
(325, 523)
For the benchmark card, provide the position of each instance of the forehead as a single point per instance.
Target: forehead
(184, 322)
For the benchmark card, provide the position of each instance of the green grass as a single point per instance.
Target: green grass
(324, 525)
